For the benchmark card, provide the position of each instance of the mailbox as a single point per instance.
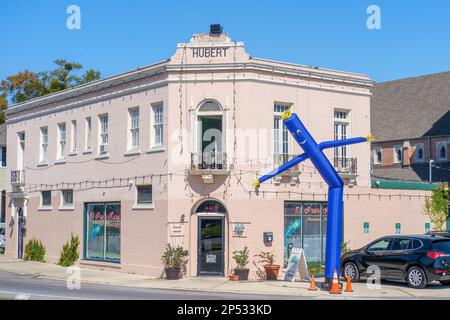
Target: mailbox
(268, 236)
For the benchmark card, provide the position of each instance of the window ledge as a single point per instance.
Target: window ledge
(43, 164)
(134, 152)
(45, 208)
(60, 161)
(102, 156)
(89, 151)
(73, 153)
(143, 207)
(66, 208)
(156, 149)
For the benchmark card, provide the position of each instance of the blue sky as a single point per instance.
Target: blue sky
(117, 36)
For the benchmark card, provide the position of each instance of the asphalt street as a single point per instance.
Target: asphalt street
(13, 286)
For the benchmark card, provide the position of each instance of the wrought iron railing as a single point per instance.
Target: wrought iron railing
(17, 176)
(209, 160)
(346, 165)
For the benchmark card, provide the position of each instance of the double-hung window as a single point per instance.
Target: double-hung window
(134, 129)
(103, 133)
(74, 136)
(280, 135)
(158, 125)
(88, 141)
(341, 125)
(44, 145)
(61, 140)
(67, 198)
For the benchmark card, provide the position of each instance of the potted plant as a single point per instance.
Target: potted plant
(241, 259)
(233, 277)
(270, 267)
(173, 258)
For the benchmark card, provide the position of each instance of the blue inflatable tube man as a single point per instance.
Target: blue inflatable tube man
(314, 152)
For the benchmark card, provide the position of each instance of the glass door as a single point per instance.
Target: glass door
(210, 246)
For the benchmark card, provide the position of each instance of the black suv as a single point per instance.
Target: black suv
(417, 260)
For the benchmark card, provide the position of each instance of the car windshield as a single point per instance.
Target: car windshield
(441, 246)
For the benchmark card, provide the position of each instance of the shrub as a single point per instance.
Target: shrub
(267, 258)
(34, 251)
(436, 207)
(69, 254)
(174, 257)
(241, 257)
(316, 268)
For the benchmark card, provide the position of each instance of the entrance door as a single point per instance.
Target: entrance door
(20, 234)
(210, 246)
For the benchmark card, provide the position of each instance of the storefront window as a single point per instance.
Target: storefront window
(103, 231)
(305, 227)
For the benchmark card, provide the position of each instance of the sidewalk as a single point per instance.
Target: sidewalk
(298, 289)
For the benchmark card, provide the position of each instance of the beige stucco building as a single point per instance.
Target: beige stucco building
(168, 153)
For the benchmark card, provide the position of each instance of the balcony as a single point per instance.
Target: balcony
(18, 177)
(208, 165)
(347, 168)
(289, 176)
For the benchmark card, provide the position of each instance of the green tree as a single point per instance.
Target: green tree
(436, 207)
(26, 85)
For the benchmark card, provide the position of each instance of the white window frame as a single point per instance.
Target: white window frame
(281, 138)
(63, 204)
(157, 125)
(41, 203)
(62, 141)
(418, 146)
(134, 129)
(375, 155)
(341, 130)
(103, 134)
(396, 148)
(88, 134)
(43, 154)
(74, 133)
(439, 144)
(21, 149)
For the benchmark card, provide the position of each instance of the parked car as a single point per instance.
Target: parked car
(445, 234)
(416, 260)
(2, 235)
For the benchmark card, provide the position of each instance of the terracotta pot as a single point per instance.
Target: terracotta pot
(242, 273)
(173, 273)
(272, 271)
(233, 277)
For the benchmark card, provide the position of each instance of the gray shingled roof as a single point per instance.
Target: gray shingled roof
(411, 108)
(416, 172)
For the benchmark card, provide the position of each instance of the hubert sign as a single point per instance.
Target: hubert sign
(214, 52)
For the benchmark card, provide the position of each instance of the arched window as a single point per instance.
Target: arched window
(419, 154)
(210, 106)
(442, 151)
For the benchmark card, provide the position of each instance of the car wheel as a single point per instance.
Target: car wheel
(445, 282)
(351, 271)
(416, 278)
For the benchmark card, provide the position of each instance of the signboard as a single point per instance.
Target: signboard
(297, 262)
(366, 227)
(398, 228)
(211, 206)
(214, 52)
(427, 227)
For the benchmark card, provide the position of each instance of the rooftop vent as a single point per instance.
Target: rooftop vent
(216, 29)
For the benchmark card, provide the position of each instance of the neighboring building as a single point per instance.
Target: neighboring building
(411, 123)
(3, 172)
(168, 154)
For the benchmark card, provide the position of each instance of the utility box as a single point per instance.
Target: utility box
(268, 237)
